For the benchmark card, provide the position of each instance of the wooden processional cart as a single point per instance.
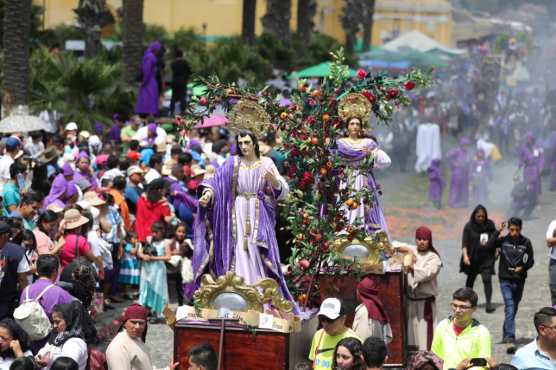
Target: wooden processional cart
(229, 314)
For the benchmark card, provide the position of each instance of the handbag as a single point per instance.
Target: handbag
(149, 250)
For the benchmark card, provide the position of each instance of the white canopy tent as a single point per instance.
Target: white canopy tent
(419, 41)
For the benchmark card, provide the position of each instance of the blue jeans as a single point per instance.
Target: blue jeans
(512, 291)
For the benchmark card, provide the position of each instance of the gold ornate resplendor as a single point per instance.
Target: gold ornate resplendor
(354, 105)
(231, 283)
(248, 115)
(374, 244)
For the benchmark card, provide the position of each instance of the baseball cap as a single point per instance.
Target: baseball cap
(12, 143)
(72, 126)
(331, 308)
(134, 169)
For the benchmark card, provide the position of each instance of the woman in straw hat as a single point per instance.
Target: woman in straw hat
(74, 243)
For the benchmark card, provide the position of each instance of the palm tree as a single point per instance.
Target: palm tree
(248, 20)
(368, 24)
(16, 40)
(351, 21)
(276, 21)
(92, 15)
(133, 31)
(306, 10)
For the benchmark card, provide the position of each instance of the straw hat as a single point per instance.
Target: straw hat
(73, 219)
(93, 199)
(48, 155)
(54, 208)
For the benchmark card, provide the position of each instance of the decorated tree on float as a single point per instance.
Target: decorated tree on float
(333, 194)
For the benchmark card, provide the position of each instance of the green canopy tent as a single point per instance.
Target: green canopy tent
(319, 70)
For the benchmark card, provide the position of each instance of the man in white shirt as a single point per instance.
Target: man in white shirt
(551, 244)
(155, 168)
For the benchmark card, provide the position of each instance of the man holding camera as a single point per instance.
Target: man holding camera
(460, 340)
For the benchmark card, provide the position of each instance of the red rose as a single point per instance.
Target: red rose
(409, 85)
(361, 73)
(203, 100)
(303, 264)
(393, 93)
(369, 95)
(310, 120)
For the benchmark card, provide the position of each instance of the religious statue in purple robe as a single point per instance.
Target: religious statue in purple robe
(436, 183)
(235, 225)
(481, 174)
(353, 150)
(147, 99)
(459, 160)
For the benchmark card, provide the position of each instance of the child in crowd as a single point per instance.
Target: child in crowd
(179, 265)
(153, 287)
(129, 268)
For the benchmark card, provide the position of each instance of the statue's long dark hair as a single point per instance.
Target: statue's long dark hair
(244, 133)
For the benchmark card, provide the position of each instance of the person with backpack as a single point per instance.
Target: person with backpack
(44, 290)
(38, 300)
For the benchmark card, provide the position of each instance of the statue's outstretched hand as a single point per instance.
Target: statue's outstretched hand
(205, 199)
(270, 177)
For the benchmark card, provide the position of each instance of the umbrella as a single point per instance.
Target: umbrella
(319, 70)
(213, 120)
(22, 123)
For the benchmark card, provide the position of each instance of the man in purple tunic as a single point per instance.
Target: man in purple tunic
(47, 269)
(235, 224)
(147, 100)
(436, 183)
(459, 160)
(531, 159)
(552, 160)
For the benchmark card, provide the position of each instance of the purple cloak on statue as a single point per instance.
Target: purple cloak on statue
(353, 154)
(147, 99)
(237, 231)
(436, 182)
(552, 160)
(459, 161)
(531, 158)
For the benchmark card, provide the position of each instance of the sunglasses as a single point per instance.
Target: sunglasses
(326, 320)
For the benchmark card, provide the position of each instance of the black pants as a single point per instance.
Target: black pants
(552, 276)
(178, 96)
(487, 282)
(174, 274)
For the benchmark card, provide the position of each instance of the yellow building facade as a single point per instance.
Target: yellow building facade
(216, 18)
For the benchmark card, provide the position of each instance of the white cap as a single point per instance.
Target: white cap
(72, 126)
(134, 169)
(331, 308)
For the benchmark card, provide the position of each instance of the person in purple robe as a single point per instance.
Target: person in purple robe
(234, 229)
(354, 149)
(147, 99)
(531, 159)
(84, 171)
(436, 183)
(63, 188)
(459, 161)
(115, 132)
(481, 174)
(551, 150)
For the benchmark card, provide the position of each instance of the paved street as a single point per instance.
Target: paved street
(536, 295)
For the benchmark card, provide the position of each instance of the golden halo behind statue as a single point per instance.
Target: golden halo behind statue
(248, 115)
(354, 105)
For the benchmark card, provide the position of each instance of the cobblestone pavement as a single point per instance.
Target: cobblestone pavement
(536, 294)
